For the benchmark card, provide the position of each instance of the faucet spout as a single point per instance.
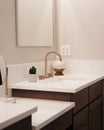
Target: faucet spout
(46, 63)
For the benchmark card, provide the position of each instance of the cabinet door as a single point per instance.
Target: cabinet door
(80, 120)
(96, 114)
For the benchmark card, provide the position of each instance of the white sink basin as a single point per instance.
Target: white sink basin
(72, 78)
(64, 83)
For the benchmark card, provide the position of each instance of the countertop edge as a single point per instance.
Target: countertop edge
(17, 118)
(68, 90)
(54, 117)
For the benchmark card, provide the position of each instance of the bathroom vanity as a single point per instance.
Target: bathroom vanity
(15, 116)
(51, 115)
(87, 94)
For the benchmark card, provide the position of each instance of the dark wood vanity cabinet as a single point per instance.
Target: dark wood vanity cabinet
(87, 114)
(96, 106)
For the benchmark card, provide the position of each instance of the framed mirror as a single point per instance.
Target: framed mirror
(34, 22)
(2, 69)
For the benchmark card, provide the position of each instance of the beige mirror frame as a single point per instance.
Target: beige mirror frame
(34, 23)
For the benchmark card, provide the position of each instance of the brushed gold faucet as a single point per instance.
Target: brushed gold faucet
(46, 62)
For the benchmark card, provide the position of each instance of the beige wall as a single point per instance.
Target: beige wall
(8, 48)
(80, 23)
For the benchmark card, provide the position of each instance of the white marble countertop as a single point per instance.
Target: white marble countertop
(71, 83)
(13, 112)
(48, 110)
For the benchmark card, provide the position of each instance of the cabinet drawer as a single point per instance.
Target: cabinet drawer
(80, 98)
(41, 94)
(95, 90)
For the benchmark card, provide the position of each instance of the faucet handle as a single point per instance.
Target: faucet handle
(41, 77)
(50, 75)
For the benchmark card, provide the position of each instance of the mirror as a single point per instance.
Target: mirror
(3, 76)
(34, 22)
(2, 68)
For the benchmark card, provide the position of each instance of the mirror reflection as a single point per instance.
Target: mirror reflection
(2, 76)
(2, 70)
(34, 22)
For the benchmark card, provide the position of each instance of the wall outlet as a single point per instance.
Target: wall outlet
(65, 50)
